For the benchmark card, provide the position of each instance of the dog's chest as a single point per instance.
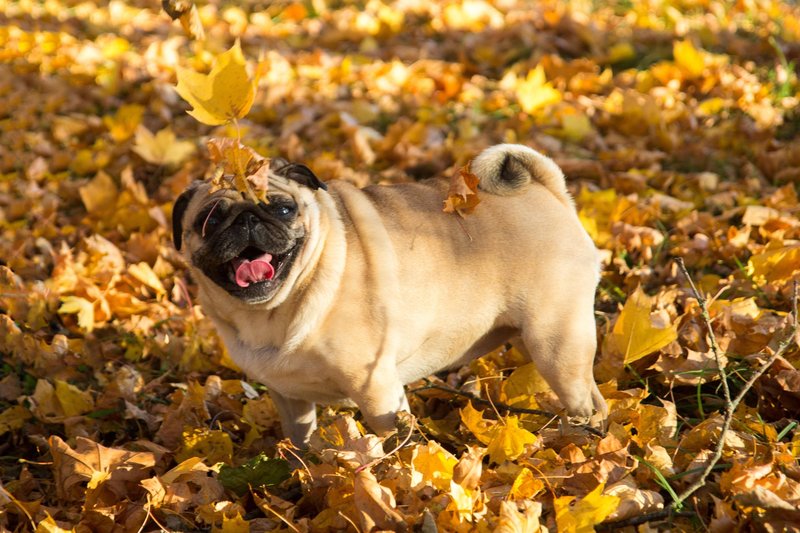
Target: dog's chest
(290, 375)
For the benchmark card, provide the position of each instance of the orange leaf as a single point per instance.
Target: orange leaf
(462, 197)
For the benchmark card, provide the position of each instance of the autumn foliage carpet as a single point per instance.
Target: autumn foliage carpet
(676, 123)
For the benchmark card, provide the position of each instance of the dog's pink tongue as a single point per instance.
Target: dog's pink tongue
(259, 269)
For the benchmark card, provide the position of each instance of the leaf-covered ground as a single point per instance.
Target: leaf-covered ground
(677, 124)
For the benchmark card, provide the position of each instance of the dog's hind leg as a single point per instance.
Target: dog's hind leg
(563, 350)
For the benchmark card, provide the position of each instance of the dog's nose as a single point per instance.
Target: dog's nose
(249, 219)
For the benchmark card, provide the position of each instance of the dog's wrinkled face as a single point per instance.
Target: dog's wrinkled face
(245, 248)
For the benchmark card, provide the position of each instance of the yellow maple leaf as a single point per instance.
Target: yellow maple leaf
(249, 170)
(480, 427)
(462, 501)
(232, 524)
(214, 445)
(163, 148)
(535, 92)
(525, 486)
(776, 264)
(224, 94)
(634, 336)
(522, 384)
(688, 58)
(586, 513)
(99, 195)
(75, 305)
(143, 273)
(433, 464)
(73, 400)
(12, 418)
(509, 440)
(124, 122)
(49, 525)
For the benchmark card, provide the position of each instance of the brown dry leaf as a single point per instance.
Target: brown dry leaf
(109, 473)
(375, 504)
(512, 520)
(462, 196)
(248, 170)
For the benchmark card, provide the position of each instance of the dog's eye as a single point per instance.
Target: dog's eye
(284, 210)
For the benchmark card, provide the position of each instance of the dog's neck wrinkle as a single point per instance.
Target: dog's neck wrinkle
(316, 286)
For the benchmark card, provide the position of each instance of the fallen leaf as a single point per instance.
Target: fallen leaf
(583, 515)
(634, 335)
(163, 148)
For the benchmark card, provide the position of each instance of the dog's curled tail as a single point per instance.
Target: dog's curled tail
(505, 169)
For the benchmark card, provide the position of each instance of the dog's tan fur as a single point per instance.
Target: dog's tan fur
(389, 289)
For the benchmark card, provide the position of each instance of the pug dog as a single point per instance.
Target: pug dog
(331, 293)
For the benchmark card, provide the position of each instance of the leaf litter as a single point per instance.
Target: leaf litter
(676, 125)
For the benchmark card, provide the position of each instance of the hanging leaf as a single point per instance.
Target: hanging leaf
(224, 94)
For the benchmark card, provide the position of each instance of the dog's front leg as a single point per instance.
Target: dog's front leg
(298, 418)
(380, 396)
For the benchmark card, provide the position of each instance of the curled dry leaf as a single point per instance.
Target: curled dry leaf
(462, 196)
(240, 167)
(375, 504)
(95, 473)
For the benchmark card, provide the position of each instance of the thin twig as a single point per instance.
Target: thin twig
(673, 508)
(396, 449)
(731, 408)
(711, 337)
(500, 405)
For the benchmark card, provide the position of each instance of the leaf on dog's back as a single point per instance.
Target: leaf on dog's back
(224, 94)
(462, 197)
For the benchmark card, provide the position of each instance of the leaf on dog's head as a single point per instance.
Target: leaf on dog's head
(224, 94)
(462, 197)
(242, 168)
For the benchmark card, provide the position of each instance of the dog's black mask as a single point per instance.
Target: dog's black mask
(248, 249)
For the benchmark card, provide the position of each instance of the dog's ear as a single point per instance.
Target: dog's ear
(178, 210)
(297, 172)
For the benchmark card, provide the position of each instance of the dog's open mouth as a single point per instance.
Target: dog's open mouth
(254, 266)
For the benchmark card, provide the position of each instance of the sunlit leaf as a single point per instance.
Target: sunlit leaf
(162, 148)
(535, 92)
(224, 94)
(84, 309)
(582, 516)
(434, 464)
(688, 58)
(462, 197)
(634, 335)
(509, 440)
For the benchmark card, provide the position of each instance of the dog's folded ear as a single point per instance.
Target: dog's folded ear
(297, 172)
(178, 210)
